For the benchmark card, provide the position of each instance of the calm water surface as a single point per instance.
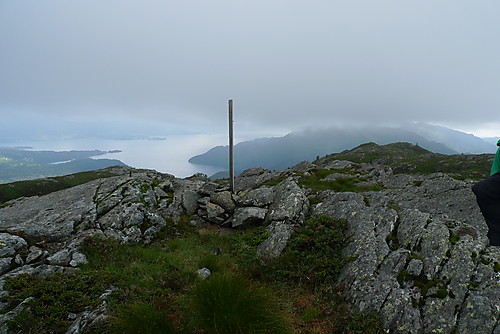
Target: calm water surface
(167, 156)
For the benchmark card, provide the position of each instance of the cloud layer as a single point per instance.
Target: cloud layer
(287, 64)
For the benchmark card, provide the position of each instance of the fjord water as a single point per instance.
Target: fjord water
(168, 155)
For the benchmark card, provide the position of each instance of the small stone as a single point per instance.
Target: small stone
(77, 259)
(61, 258)
(224, 199)
(216, 250)
(34, 255)
(203, 273)
(214, 210)
(19, 260)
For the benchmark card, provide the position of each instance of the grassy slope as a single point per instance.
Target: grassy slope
(409, 158)
(158, 290)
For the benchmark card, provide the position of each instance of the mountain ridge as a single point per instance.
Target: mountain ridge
(283, 152)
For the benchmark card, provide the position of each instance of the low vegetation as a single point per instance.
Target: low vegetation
(157, 290)
(316, 181)
(409, 158)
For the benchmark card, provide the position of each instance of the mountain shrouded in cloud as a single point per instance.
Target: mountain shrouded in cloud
(283, 152)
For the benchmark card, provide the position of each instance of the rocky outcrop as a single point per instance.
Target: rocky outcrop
(420, 255)
(419, 251)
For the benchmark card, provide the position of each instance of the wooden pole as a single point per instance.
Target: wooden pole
(231, 148)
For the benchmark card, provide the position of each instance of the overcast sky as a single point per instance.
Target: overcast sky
(163, 67)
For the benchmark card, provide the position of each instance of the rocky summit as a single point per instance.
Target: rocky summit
(418, 250)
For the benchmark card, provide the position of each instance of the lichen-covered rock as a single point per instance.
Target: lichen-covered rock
(190, 201)
(420, 253)
(246, 216)
(280, 232)
(35, 254)
(259, 197)
(61, 258)
(214, 211)
(290, 203)
(415, 267)
(10, 244)
(224, 199)
(252, 178)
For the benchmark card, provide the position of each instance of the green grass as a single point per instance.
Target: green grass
(158, 291)
(315, 181)
(412, 159)
(54, 298)
(230, 303)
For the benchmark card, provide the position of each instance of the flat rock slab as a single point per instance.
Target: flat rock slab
(50, 217)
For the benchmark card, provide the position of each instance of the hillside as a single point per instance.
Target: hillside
(18, 164)
(409, 158)
(283, 152)
(342, 245)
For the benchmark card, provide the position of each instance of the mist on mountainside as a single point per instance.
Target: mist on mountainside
(282, 152)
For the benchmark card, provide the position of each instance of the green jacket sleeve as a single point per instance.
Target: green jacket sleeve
(495, 168)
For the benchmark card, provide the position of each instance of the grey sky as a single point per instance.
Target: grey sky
(286, 63)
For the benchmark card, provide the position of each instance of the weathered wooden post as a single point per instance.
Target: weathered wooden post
(231, 148)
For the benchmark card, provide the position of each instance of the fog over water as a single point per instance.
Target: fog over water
(167, 156)
(87, 74)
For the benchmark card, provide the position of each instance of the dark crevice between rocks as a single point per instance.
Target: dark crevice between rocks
(386, 299)
(392, 239)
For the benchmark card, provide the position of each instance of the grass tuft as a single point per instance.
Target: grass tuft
(230, 303)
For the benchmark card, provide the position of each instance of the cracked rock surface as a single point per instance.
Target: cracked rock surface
(421, 256)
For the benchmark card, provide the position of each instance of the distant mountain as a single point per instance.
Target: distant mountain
(18, 164)
(492, 140)
(456, 140)
(282, 152)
